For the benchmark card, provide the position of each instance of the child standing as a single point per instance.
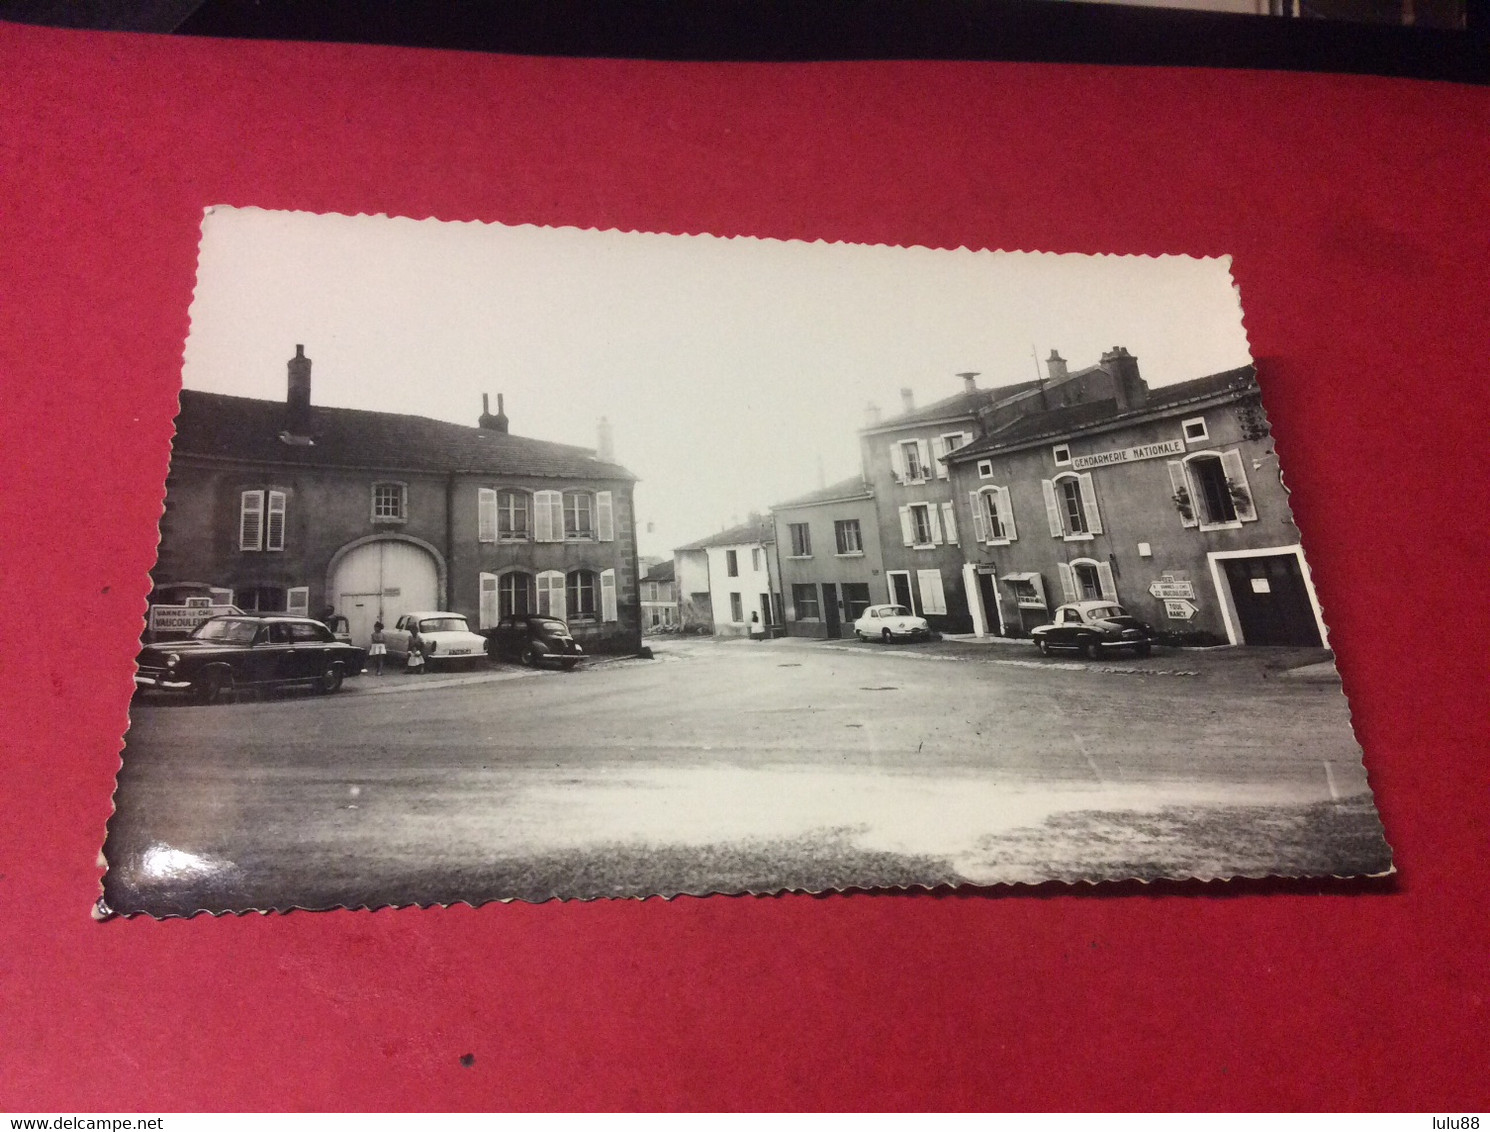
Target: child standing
(377, 649)
(416, 654)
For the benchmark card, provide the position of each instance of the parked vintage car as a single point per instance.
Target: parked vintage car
(246, 650)
(446, 639)
(1094, 628)
(891, 623)
(534, 640)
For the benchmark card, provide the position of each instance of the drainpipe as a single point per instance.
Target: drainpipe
(447, 598)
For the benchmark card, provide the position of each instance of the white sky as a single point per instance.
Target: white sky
(729, 369)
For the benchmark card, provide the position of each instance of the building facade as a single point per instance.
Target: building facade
(659, 601)
(903, 461)
(307, 509)
(828, 543)
(743, 584)
(1168, 501)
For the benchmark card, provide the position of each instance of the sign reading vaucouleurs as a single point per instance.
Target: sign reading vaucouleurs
(1128, 455)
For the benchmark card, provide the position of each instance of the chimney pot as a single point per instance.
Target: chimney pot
(297, 400)
(969, 382)
(908, 398)
(1055, 367)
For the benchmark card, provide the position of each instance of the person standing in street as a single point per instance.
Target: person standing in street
(377, 648)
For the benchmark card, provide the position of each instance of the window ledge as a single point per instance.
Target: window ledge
(795, 558)
(849, 554)
(1085, 537)
(388, 520)
(1234, 525)
(999, 542)
(924, 546)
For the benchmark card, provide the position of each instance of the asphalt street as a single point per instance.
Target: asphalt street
(731, 766)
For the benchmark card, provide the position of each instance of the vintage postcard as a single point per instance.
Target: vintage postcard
(521, 563)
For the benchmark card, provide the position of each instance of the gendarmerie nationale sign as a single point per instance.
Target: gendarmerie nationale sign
(1127, 455)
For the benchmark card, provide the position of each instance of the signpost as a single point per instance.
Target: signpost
(1178, 609)
(1166, 590)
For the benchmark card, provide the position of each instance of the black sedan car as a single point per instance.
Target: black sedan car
(236, 651)
(535, 641)
(1094, 628)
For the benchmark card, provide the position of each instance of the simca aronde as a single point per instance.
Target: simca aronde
(1094, 628)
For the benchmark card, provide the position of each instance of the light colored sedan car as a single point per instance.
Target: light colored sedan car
(891, 623)
(446, 638)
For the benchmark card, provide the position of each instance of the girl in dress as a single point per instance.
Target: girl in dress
(377, 649)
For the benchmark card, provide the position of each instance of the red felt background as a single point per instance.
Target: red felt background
(1356, 210)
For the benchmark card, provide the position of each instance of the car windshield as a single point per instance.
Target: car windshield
(1105, 612)
(550, 626)
(895, 611)
(443, 625)
(230, 630)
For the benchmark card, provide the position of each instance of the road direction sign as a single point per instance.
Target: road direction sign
(1178, 609)
(1166, 590)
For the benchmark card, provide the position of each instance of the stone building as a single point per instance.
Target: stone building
(828, 542)
(1168, 501)
(303, 508)
(659, 601)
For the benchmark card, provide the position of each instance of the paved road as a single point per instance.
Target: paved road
(743, 766)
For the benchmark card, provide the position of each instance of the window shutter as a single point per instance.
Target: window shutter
(488, 616)
(297, 601)
(251, 521)
(1089, 504)
(949, 522)
(1104, 579)
(1039, 583)
(934, 521)
(1236, 474)
(486, 516)
(1180, 482)
(1068, 582)
(556, 515)
(924, 451)
(938, 450)
(933, 600)
(605, 520)
(543, 519)
(1006, 513)
(1052, 509)
(274, 523)
(907, 528)
(980, 526)
(897, 462)
(608, 595)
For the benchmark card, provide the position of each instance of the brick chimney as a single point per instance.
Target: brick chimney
(605, 446)
(297, 403)
(1055, 366)
(1128, 388)
(907, 399)
(969, 382)
(491, 423)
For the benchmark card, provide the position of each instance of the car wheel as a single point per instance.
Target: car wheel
(859, 635)
(331, 679)
(530, 657)
(885, 636)
(1143, 649)
(1092, 650)
(216, 686)
(1044, 646)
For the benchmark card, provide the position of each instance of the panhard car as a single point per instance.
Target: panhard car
(246, 650)
(1094, 629)
(891, 623)
(534, 640)
(443, 638)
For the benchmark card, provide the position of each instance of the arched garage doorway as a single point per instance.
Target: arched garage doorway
(382, 578)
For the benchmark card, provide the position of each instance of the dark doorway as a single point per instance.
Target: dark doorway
(830, 611)
(1272, 605)
(765, 608)
(900, 586)
(988, 597)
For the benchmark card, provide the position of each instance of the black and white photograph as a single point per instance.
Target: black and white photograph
(521, 563)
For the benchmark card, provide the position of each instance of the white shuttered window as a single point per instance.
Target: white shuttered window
(949, 522)
(605, 519)
(608, 595)
(486, 517)
(274, 524)
(488, 611)
(548, 519)
(251, 521)
(551, 594)
(933, 600)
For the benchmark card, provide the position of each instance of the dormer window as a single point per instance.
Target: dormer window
(1195, 430)
(1062, 455)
